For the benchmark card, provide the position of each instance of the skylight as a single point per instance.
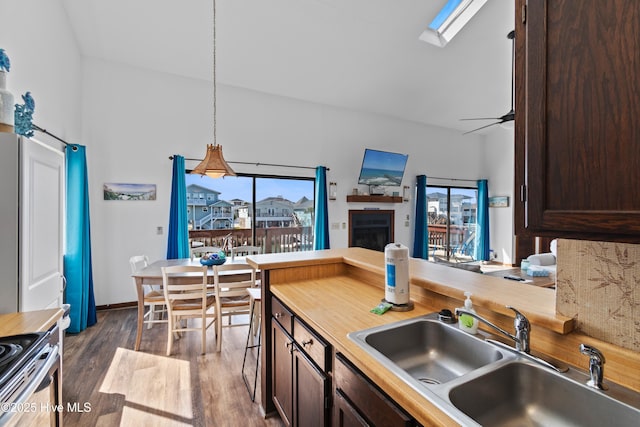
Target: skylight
(452, 17)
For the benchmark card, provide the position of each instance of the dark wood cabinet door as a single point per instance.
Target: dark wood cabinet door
(369, 403)
(578, 119)
(310, 393)
(345, 415)
(281, 372)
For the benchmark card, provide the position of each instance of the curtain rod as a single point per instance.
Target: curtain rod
(258, 164)
(451, 179)
(39, 129)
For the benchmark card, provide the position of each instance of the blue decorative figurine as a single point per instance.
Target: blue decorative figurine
(5, 64)
(24, 116)
(6, 97)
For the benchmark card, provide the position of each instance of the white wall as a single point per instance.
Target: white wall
(45, 60)
(498, 163)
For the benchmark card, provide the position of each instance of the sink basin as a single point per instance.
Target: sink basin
(426, 349)
(476, 382)
(522, 394)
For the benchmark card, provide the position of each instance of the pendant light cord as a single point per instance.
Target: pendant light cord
(214, 75)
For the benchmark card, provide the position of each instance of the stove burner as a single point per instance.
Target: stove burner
(8, 352)
(16, 350)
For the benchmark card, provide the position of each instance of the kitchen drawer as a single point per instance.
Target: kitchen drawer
(282, 314)
(365, 398)
(314, 346)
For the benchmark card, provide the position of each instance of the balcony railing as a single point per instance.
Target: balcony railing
(457, 240)
(271, 240)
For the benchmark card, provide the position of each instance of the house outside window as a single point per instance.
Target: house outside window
(451, 221)
(273, 212)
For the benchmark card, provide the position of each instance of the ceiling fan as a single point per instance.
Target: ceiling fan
(510, 116)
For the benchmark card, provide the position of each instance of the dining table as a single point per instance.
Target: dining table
(152, 275)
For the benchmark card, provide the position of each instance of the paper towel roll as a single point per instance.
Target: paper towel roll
(396, 258)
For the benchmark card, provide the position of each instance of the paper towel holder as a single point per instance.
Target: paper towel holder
(400, 307)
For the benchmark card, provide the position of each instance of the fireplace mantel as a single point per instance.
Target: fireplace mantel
(373, 199)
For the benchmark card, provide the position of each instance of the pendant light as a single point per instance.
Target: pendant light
(214, 164)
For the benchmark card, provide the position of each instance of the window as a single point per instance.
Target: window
(451, 220)
(453, 16)
(276, 213)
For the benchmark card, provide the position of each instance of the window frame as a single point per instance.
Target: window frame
(256, 176)
(448, 188)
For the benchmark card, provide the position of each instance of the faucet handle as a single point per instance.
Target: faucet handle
(523, 329)
(520, 322)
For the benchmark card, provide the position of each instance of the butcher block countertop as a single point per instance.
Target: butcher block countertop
(334, 290)
(491, 293)
(336, 306)
(28, 321)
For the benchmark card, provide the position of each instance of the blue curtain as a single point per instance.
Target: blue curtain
(321, 239)
(421, 234)
(77, 258)
(178, 240)
(482, 248)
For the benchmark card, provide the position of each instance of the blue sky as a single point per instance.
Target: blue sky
(240, 187)
(384, 160)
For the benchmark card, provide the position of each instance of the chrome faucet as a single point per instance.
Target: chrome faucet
(596, 366)
(520, 323)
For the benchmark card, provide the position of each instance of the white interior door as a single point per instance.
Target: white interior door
(42, 225)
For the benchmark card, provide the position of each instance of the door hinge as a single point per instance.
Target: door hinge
(523, 13)
(523, 193)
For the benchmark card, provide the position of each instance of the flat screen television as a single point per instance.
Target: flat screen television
(382, 168)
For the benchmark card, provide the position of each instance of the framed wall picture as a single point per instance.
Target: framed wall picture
(499, 202)
(123, 191)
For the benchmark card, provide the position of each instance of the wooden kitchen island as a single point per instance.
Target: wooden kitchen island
(331, 292)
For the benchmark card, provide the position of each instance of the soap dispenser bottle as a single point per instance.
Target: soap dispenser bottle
(465, 322)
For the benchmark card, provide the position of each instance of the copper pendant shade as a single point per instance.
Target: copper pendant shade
(214, 164)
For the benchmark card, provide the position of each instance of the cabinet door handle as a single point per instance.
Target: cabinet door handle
(307, 343)
(290, 347)
(277, 315)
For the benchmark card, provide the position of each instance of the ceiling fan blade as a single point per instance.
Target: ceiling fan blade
(484, 118)
(491, 124)
(510, 116)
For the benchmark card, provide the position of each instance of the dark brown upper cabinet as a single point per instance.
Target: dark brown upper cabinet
(577, 130)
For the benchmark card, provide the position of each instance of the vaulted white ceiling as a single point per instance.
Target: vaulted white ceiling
(358, 54)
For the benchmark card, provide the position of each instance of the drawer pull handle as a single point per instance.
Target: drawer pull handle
(290, 347)
(277, 315)
(308, 342)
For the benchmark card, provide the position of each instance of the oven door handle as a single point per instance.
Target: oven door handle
(41, 374)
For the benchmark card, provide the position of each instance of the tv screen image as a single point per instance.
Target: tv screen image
(382, 168)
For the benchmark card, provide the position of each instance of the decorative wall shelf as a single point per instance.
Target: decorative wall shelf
(374, 199)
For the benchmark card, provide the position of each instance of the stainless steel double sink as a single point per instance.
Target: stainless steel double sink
(476, 382)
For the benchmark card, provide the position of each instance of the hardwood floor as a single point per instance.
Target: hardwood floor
(116, 386)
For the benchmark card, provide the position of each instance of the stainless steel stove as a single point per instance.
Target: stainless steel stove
(29, 379)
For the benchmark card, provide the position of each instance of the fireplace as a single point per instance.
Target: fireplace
(371, 229)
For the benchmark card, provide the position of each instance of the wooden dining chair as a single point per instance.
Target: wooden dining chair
(153, 299)
(198, 251)
(187, 297)
(245, 250)
(232, 297)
